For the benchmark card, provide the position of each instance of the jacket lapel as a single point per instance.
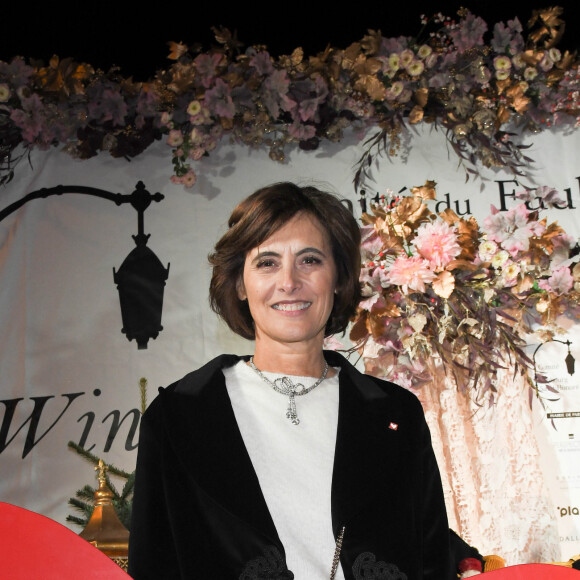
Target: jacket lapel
(205, 435)
(367, 445)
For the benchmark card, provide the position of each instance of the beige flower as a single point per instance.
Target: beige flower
(415, 68)
(424, 51)
(530, 73)
(500, 259)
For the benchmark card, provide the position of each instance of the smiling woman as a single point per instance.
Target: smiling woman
(289, 282)
(346, 486)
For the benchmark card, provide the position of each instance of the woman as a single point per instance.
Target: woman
(288, 463)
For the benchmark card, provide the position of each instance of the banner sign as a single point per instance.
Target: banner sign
(68, 373)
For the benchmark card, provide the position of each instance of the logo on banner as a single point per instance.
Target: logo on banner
(568, 511)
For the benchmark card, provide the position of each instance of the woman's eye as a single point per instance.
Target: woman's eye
(311, 260)
(265, 263)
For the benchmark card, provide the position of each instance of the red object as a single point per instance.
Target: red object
(532, 572)
(34, 546)
(469, 564)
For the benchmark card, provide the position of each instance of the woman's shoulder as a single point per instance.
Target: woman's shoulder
(193, 383)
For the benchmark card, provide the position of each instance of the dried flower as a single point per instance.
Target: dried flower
(474, 92)
(428, 303)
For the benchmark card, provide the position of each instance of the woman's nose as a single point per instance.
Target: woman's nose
(289, 279)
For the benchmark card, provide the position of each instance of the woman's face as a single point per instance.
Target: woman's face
(289, 282)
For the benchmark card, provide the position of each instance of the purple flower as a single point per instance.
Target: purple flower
(508, 38)
(206, 65)
(275, 93)
(219, 100)
(548, 195)
(560, 282)
(16, 72)
(108, 106)
(309, 107)
(30, 118)
(469, 33)
(301, 131)
(262, 62)
(146, 107)
(510, 229)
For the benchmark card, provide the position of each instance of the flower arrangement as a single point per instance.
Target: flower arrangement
(485, 94)
(443, 290)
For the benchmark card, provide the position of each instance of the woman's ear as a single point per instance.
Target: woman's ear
(240, 289)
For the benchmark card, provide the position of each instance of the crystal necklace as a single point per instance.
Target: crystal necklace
(285, 386)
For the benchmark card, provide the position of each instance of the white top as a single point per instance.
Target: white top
(293, 462)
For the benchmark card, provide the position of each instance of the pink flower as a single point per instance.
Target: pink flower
(510, 229)
(437, 242)
(197, 153)
(410, 274)
(175, 138)
(560, 282)
(189, 179)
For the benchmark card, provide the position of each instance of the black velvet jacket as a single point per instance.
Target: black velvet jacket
(199, 512)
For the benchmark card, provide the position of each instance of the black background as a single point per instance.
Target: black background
(134, 37)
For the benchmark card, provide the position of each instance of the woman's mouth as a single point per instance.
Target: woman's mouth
(291, 306)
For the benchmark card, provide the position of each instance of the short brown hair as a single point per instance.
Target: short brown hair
(254, 220)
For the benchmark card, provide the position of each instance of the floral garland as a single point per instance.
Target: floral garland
(485, 96)
(441, 290)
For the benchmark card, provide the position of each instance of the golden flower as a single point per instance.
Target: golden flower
(421, 96)
(416, 115)
(485, 120)
(176, 50)
(543, 304)
(488, 294)
(417, 322)
(502, 75)
(411, 210)
(461, 131)
(371, 85)
(444, 284)
(426, 191)
(371, 43)
(516, 95)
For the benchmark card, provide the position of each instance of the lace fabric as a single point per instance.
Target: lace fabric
(496, 495)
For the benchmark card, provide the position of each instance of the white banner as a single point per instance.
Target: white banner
(69, 374)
